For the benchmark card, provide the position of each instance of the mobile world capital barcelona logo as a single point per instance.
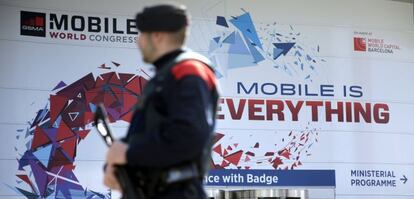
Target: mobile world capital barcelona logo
(366, 42)
(33, 24)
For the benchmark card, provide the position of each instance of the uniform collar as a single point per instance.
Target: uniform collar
(160, 62)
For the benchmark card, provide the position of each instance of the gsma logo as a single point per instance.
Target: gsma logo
(33, 24)
(360, 44)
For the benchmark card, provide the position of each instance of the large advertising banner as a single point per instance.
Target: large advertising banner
(301, 106)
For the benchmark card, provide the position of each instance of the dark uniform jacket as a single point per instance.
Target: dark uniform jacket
(175, 122)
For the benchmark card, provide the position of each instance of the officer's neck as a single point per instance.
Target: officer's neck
(165, 57)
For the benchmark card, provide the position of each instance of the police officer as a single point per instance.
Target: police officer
(169, 139)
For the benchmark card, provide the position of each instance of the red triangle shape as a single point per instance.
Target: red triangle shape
(127, 117)
(125, 77)
(129, 101)
(27, 180)
(134, 86)
(69, 147)
(59, 159)
(83, 134)
(107, 76)
(88, 117)
(217, 137)
(217, 149)
(63, 132)
(69, 167)
(247, 158)
(57, 103)
(142, 83)
(91, 94)
(285, 153)
(100, 81)
(224, 164)
(225, 152)
(234, 158)
(40, 138)
(115, 80)
(276, 162)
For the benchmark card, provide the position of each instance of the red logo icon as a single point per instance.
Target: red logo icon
(32, 24)
(360, 44)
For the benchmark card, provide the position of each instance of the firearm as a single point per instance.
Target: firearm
(129, 191)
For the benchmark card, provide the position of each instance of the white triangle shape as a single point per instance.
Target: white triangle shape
(73, 115)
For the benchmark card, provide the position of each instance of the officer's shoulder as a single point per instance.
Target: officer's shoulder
(193, 64)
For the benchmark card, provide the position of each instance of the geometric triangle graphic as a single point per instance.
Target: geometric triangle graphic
(63, 132)
(60, 85)
(27, 194)
(92, 107)
(221, 21)
(116, 64)
(277, 52)
(40, 176)
(69, 146)
(245, 24)
(43, 155)
(83, 134)
(59, 159)
(73, 115)
(51, 133)
(217, 149)
(230, 39)
(216, 39)
(257, 56)
(238, 46)
(234, 158)
(285, 47)
(57, 104)
(39, 138)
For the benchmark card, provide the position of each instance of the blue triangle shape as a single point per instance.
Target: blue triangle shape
(43, 155)
(59, 85)
(57, 122)
(221, 21)
(51, 133)
(245, 24)
(238, 47)
(277, 52)
(284, 46)
(257, 56)
(92, 107)
(217, 39)
(230, 39)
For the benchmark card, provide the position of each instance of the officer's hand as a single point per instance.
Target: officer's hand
(117, 153)
(110, 179)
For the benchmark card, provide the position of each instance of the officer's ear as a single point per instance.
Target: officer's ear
(157, 37)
